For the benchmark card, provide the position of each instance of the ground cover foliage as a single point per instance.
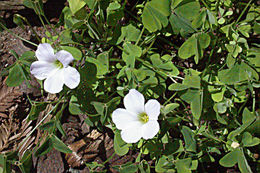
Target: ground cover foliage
(198, 58)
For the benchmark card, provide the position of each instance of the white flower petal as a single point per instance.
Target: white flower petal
(64, 57)
(54, 83)
(150, 129)
(122, 118)
(134, 101)
(45, 52)
(42, 69)
(132, 133)
(71, 77)
(152, 108)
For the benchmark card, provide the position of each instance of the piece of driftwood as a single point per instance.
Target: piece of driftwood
(13, 5)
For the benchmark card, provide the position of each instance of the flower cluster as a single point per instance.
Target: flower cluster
(138, 120)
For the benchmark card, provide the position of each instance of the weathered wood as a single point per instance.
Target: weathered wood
(11, 5)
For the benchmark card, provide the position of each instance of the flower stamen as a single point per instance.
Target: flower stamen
(143, 117)
(58, 64)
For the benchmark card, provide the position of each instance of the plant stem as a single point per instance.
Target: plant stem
(139, 36)
(243, 12)
(206, 5)
(17, 35)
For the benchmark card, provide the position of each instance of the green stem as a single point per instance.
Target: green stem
(17, 35)
(243, 12)
(37, 125)
(206, 5)
(170, 99)
(139, 36)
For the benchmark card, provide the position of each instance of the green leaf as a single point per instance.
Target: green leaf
(15, 77)
(76, 5)
(44, 148)
(196, 105)
(59, 145)
(169, 107)
(184, 165)
(180, 24)
(102, 63)
(130, 53)
(155, 14)
(236, 74)
(161, 165)
(188, 9)
(188, 48)
(35, 110)
(230, 159)
(121, 148)
(249, 141)
(242, 163)
(74, 106)
(114, 13)
(177, 87)
(192, 81)
(190, 142)
(76, 53)
(199, 19)
(128, 33)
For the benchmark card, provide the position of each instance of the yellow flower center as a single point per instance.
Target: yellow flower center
(58, 64)
(143, 117)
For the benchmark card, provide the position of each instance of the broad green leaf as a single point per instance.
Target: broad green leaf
(74, 106)
(161, 165)
(130, 53)
(192, 81)
(170, 107)
(236, 74)
(15, 76)
(249, 141)
(242, 163)
(177, 87)
(230, 159)
(188, 9)
(181, 25)
(199, 19)
(76, 5)
(188, 48)
(102, 63)
(59, 145)
(121, 148)
(155, 14)
(190, 142)
(196, 105)
(184, 165)
(76, 53)
(128, 33)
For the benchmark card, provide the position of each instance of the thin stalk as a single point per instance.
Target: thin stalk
(243, 12)
(139, 36)
(37, 125)
(170, 99)
(206, 5)
(23, 39)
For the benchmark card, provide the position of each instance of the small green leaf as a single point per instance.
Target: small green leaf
(76, 5)
(59, 145)
(15, 77)
(230, 159)
(121, 148)
(249, 141)
(184, 165)
(155, 14)
(190, 142)
(170, 107)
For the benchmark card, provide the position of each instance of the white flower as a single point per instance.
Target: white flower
(138, 120)
(234, 145)
(55, 69)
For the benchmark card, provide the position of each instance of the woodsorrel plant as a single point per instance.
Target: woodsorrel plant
(197, 59)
